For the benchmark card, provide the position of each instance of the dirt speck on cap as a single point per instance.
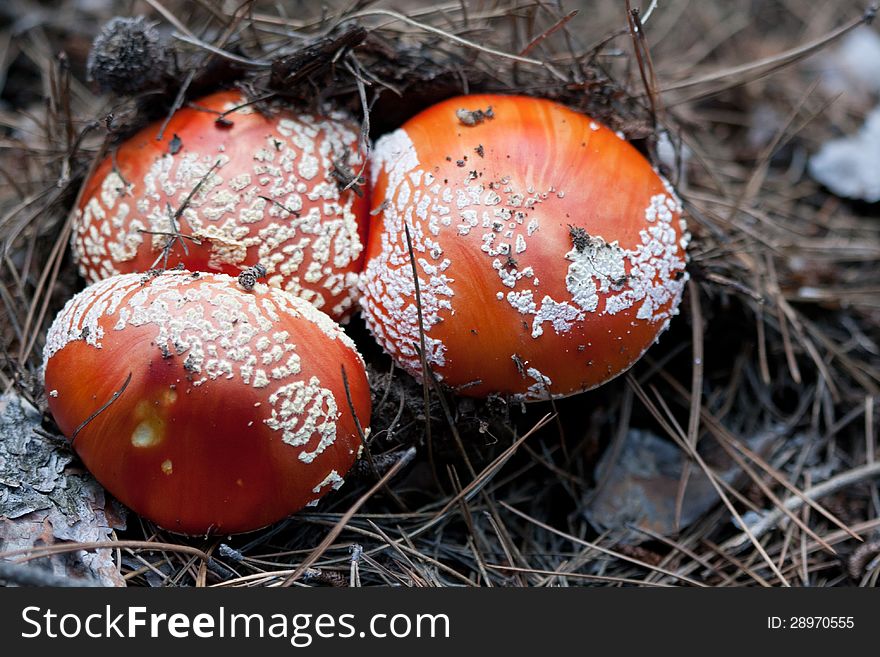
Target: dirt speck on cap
(474, 117)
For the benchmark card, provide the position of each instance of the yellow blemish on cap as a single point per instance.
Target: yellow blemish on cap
(146, 434)
(167, 466)
(169, 397)
(150, 431)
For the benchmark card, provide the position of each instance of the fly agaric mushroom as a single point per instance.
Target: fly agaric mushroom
(550, 255)
(202, 406)
(225, 188)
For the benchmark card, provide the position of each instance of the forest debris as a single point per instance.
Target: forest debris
(44, 501)
(642, 488)
(760, 523)
(175, 145)
(850, 166)
(290, 69)
(863, 559)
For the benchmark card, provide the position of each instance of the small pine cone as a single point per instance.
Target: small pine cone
(247, 279)
(128, 56)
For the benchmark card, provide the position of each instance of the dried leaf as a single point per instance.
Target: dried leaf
(643, 485)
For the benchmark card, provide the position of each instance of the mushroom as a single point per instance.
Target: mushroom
(550, 254)
(227, 187)
(203, 406)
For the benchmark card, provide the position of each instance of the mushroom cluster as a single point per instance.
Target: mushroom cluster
(226, 187)
(549, 253)
(518, 248)
(203, 406)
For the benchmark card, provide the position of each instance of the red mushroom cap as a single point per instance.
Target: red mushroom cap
(249, 189)
(550, 255)
(232, 412)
